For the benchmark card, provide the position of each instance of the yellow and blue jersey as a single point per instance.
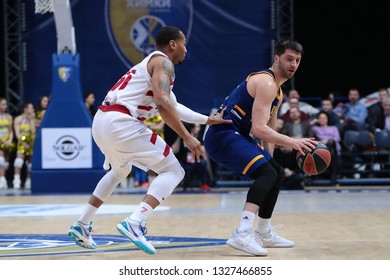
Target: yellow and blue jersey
(239, 104)
(232, 144)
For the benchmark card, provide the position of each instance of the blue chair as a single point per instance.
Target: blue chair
(382, 139)
(382, 146)
(358, 140)
(358, 155)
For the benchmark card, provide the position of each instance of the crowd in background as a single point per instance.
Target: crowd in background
(327, 122)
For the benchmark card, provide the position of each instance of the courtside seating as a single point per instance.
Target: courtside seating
(382, 140)
(382, 146)
(357, 155)
(358, 140)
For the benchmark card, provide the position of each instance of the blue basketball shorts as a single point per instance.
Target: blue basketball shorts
(229, 148)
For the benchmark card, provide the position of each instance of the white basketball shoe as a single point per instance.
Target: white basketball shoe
(273, 240)
(246, 241)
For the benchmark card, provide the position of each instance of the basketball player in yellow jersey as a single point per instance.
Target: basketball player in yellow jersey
(6, 138)
(24, 126)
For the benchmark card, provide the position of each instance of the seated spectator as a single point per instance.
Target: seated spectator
(353, 114)
(195, 171)
(303, 106)
(330, 136)
(336, 98)
(295, 127)
(374, 100)
(379, 112)
(327, 107)
(279, 124)
(294, 103)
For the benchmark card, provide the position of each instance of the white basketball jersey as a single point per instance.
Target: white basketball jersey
(134, 90)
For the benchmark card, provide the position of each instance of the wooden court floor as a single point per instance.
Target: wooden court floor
(325, 225)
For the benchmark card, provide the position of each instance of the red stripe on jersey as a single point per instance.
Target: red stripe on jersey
(149, 93)
(115, 107)
(146, 108)
(141, 119)
(166, 150)
(153, 138)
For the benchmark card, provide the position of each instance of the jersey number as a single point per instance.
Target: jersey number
(122, 83)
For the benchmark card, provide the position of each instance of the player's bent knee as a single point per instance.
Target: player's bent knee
(280, 173)
(181, 173)
(265, 177)
(121, 173)
(167, 180)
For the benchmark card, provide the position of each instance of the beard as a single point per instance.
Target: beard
(288, 74)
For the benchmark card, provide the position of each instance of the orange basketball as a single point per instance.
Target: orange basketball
(316, 161)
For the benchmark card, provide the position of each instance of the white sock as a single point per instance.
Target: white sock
(88, 213)
(263, 225)
(246, 221)
(142, 212)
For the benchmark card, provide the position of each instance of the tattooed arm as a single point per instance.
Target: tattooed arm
(162, 71)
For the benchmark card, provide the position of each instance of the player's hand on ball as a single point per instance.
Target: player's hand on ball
(303, 145)
(316, 161)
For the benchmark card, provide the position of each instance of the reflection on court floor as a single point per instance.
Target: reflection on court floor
(12, 245)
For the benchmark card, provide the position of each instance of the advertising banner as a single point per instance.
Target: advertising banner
(67, 148)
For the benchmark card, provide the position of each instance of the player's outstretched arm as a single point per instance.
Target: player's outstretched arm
(217, 118)
(190, 116)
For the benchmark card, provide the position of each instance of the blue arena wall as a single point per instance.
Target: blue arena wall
(226, 41)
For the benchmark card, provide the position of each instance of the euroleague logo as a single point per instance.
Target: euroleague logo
(132, 25)
(67, 147)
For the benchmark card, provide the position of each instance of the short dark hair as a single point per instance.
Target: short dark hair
(284, 44)
(327, 99)
(167, 33)
(325, 113)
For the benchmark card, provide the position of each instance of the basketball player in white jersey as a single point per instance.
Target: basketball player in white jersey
(121, 135)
